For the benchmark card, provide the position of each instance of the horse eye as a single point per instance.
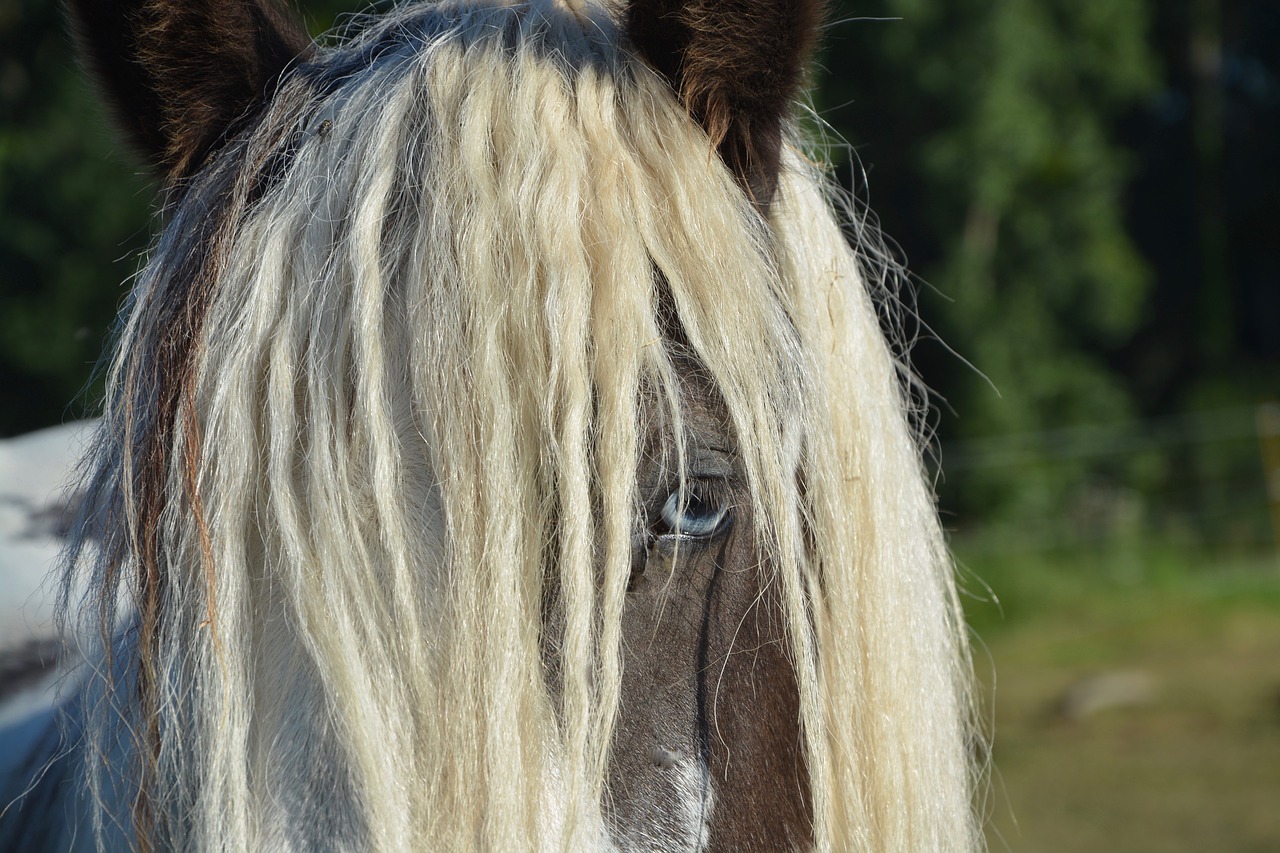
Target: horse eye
(695, 511)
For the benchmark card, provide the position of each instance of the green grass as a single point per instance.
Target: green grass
(1194, 767)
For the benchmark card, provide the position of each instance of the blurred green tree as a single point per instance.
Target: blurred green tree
(990, 128)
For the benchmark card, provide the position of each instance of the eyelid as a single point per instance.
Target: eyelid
(700, 491)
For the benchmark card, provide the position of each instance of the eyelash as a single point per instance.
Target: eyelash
(711, 496)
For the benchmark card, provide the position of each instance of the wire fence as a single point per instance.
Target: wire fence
(1208, 479)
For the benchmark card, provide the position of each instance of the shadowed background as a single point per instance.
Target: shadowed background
(1089, 191)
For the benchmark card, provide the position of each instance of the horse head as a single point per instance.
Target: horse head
(502, 450)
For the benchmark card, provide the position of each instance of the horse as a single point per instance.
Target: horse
(506, 446)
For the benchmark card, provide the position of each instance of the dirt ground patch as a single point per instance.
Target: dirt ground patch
(1185, 756)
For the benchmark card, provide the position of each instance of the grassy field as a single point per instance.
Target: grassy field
(1136, 699)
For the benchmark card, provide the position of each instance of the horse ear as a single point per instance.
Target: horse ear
(737, 66)
(179, 73)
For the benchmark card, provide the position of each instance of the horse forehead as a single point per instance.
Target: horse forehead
(704, 417)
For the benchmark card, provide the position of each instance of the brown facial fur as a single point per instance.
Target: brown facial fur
(179, 73)
(737, 65)
(707, 677)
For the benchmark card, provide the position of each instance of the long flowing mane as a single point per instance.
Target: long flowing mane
(369, 460)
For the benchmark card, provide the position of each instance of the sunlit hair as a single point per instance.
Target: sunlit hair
(430, 320)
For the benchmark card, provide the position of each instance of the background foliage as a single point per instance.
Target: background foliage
(1002, 114)
(73, 217)
(1085, 189)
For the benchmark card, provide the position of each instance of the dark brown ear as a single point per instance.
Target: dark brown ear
(178, 73)
(737, 66)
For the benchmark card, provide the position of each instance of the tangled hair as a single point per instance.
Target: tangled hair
(371, 446)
